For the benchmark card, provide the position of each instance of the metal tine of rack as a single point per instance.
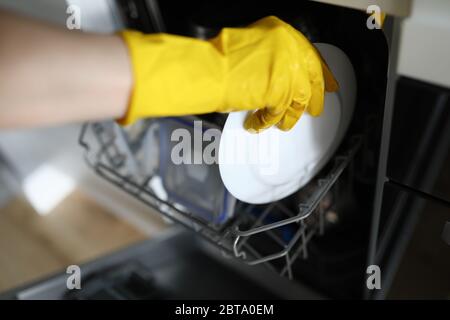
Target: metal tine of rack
(109, 147)
(138, 190)
(290, 258)
(272, 256)
(154, 202)
(125, 182)
(305, 210)
(255, 253)
(324, 185)
(260, 220)
(301, 248)
(109, 161)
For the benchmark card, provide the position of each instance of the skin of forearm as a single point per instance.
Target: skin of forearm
(50, 75)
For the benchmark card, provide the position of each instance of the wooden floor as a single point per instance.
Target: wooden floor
(33, 246)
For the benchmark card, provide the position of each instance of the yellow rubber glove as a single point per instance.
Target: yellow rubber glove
(268, 66)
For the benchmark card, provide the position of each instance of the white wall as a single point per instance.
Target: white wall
(49, 10)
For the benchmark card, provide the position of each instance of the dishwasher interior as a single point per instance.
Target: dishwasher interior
(318, 236)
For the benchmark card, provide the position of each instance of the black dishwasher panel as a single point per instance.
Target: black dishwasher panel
(419, 155)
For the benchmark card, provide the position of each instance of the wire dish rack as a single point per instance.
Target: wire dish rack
(276, 234)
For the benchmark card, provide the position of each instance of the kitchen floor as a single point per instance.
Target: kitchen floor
(77, 230)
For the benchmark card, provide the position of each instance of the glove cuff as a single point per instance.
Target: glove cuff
(173, 76)
(130, 37)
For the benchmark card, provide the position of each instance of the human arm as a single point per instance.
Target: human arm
(50, 75)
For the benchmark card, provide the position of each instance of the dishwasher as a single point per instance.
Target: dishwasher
(315, 243)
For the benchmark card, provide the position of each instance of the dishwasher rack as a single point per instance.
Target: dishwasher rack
(276, 236)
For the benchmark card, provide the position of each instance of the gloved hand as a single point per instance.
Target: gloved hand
(268, 66)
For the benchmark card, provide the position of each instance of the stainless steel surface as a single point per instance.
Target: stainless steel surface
(393, 38)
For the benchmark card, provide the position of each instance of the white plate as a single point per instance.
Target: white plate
(266, 167)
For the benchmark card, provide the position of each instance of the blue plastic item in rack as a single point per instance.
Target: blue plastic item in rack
(194, 196)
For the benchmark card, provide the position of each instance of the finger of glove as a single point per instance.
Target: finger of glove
(331, 84)
(263, 118)
(291, 116)
(315, 74)
(268, 22)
